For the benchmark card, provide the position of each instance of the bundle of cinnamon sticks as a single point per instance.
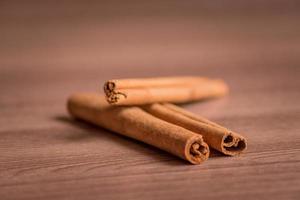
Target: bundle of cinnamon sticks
(142, 109)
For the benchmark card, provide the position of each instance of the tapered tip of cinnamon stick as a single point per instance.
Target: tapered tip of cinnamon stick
(233, 144)
(197, 151)
(223, 88)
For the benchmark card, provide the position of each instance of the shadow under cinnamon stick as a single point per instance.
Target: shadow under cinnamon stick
(91, 131)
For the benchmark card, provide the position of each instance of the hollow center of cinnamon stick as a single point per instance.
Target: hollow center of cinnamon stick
(234, 145)
(109, 87)
(197, 150)
(228, 139)
(112, 95)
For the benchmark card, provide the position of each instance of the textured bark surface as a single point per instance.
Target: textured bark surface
(216, 136)
(135, 123)
(152, 90)
(49, 50)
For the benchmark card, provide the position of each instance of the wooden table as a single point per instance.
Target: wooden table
(49, 50)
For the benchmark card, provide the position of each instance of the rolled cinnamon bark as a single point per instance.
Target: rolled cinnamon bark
(140, 125)
(169, 89)
(214, 135)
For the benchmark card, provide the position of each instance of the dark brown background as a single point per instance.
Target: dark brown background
(50, 49)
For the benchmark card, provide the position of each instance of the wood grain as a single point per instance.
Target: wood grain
(49, 51)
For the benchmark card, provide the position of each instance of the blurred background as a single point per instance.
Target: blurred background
(133, 38)
(49, 49)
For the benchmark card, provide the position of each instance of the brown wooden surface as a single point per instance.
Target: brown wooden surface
(51, 49)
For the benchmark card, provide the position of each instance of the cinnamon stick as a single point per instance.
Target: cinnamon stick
(216, 136)
(168, 89)
(136, 123)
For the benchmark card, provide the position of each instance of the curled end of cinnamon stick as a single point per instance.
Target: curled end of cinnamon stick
(196, 150)
(112, 96)
(233, 144)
